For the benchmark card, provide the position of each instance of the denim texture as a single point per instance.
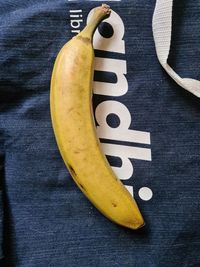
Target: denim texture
(44, 218)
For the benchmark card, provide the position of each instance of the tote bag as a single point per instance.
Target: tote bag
(148, 125)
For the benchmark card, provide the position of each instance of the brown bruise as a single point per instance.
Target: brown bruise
(72, 171)
(114, 204)
(85, 40)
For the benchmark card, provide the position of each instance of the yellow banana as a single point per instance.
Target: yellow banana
(74, 127)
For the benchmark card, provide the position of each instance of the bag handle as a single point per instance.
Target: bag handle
(162, 30)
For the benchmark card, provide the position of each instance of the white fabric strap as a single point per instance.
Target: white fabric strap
(162, 29)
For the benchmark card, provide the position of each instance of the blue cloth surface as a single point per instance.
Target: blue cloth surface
(44, 218)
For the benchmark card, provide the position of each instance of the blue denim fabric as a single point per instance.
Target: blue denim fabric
(1, 210)
(44, 219)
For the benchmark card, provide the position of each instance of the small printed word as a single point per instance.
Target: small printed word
(76, 20)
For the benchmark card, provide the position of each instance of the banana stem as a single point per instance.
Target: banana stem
(98, 15)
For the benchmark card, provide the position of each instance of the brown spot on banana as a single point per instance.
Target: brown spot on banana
(72, 171)
(82, 187)
(114, 204)
(85, 40)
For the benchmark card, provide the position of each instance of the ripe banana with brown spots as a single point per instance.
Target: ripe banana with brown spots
(75, 131)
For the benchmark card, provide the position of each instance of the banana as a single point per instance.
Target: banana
(75, 131)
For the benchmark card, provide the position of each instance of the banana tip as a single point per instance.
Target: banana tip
(106, 9)
(142, 225)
